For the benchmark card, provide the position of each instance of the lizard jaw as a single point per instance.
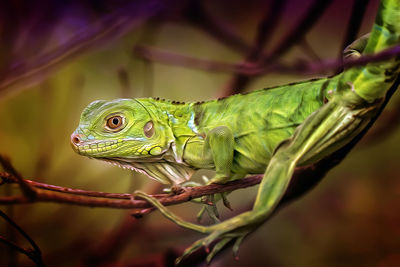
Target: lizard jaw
(162, 171)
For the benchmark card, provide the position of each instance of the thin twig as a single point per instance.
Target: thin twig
(34, 254)
(8, 178)
(14, 246)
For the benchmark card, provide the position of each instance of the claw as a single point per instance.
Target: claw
(195, 246)
(210, 207)
(236, 246)
(212, 237)
(212, 214)
(220, 245)
(226, 201)
(214, 206)
(200, 214)
(205, 200)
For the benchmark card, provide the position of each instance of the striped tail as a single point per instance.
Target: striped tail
(373, 80)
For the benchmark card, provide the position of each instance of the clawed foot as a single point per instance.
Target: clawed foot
(223, 235)
(210, 202)
(210, 206)
(176, 189)
(232, 230)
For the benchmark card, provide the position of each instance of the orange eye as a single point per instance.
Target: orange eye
(114, 122)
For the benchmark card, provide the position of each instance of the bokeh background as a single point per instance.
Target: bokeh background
(58, 56)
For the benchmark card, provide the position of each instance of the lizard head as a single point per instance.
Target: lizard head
(122, 129)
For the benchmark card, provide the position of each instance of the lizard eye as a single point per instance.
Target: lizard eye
(114, 122)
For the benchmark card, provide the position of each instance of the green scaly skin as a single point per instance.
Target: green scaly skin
(270, 131)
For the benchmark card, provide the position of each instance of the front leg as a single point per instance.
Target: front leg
(219, 143)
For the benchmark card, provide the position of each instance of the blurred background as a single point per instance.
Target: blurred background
(58, 56)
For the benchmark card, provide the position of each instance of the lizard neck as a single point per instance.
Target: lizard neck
(177, 120)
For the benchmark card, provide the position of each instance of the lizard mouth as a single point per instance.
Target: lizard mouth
(87, 148)
(96, 147)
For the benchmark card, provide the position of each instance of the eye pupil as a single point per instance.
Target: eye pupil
(115, 121)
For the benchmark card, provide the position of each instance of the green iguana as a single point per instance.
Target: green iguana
(271, 131)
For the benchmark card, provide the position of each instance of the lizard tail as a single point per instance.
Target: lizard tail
(372, 81)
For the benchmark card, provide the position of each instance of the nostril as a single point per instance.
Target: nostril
(75, 139)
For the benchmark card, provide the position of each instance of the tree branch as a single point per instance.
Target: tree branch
(252, 69)
(51, 193)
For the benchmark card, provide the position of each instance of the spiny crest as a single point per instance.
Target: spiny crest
(168, 101)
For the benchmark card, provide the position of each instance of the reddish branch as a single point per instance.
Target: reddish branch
(252, 69)
(52, 193)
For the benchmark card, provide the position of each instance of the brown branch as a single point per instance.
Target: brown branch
(51, 193)
(166, 57)
(251, 69)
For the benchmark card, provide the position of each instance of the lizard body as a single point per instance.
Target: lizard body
(259, 121)
(270, 131)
